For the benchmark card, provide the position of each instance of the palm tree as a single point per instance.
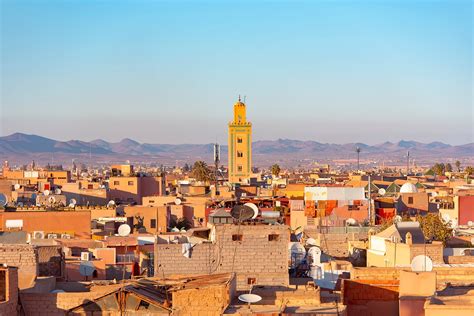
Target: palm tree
(276, 170)
(458, 165)
(469, 170)
(201, 171)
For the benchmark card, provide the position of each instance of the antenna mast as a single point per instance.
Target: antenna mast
(217, 154)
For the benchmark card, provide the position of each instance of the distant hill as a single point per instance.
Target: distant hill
(20, 146)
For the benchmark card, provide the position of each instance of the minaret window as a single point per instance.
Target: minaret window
(239, 140)
(240, 154)
(239, 168)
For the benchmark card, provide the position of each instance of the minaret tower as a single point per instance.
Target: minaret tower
(240, 145)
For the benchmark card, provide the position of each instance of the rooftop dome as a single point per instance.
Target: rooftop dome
(408, 187)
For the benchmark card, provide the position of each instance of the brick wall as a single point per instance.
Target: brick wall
(49, 261)
(253, 257)
(434, 251)
(25, 258)
(333, 244)
(9, 286)
(212, 300)
(459, 259)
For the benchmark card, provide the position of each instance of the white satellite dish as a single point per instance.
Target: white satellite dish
(71, 205)
(297, 253)
(86, 268)
(421, 263)
(397, 219)
(351, 222)
(124, 230)
(111, 204)
(254, 208)
(434, 194)
(57, 191)
(51, 200)
(382, 191)
(73, 201)
(177, 201)
(470, 224)
(250, 298)
(17, 186)
(46, 192)
(59, 290)
(3, 199)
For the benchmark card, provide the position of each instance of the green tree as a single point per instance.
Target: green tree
(434, 228)
(438, 169)
(276, 170)
(469, 170)
(458, 165)
(201, 171)
(448, 167)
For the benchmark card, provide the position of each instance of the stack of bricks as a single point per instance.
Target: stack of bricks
(261, 256)
(25, 258)
(9, 290)
(210, 300)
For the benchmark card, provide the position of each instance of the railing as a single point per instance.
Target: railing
(126, 258)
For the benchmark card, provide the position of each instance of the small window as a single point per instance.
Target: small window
(239, 140)
(251, 281)
(130, 182)
(151, 201)
(240, 154)
(236, 237)
(273, 237)
(410, 200)
(116, 182)
(95, 274)
(90, 186)
(153, 223)
(239, 168)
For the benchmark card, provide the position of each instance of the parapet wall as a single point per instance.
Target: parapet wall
(25, 258)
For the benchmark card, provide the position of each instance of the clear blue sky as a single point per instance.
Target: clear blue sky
(170, 71)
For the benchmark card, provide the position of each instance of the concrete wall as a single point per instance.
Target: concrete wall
(253, 257)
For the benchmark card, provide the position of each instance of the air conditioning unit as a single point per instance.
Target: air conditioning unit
(85, 256)
(65, 236)
(38, 235)
(52, 236)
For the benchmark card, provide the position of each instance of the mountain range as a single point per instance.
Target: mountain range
(21, 146)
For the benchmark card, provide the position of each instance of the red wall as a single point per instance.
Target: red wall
(466, 209)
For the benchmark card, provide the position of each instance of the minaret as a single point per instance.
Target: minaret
(240, 145)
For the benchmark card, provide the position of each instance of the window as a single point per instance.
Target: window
(239, 168)
(273, 237)
(90, 186)
(240, 154)
(239, 140)
(251, 281)
(410, 200)
(153, 223)
(116, 182)
(130, 182)
(236, 237)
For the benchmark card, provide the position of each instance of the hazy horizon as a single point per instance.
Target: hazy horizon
(169, 72)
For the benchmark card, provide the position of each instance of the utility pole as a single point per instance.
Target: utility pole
(358, 158)
(408, 163)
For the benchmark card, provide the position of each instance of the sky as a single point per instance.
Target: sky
(170, 71)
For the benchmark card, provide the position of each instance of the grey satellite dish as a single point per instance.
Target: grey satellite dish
(3, 199)
(57, 291)
(86, 268)
(124, 230)
(57, 191)
(242, 212)
(254, 208)
(177, 201)
(397, 219)
(46, 192)
(111, 204)
(421, 263)
(73, 201)
(382, 191)
(250, 298)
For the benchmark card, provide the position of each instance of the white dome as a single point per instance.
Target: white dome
(408, 188)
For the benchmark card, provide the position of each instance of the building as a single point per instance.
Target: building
(132, 189)
(240, 146)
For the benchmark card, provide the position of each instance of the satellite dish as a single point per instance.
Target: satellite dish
(3, 199)
(111, 204)
(470, 223)
(254, 208)
(57, 191)
(434, 194)
(124, 230)
(177, 201)
(250, 298)
(58, 290)
(397, 219)
(86, 268)
(351, 222)
(297, 253)
(311, 242)
(71, 205)
(73, 201)
(421, 263)
(175, 230)
(382, 191)
(17, 186)
(51, 200)
(46, 192)
(242, 212)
